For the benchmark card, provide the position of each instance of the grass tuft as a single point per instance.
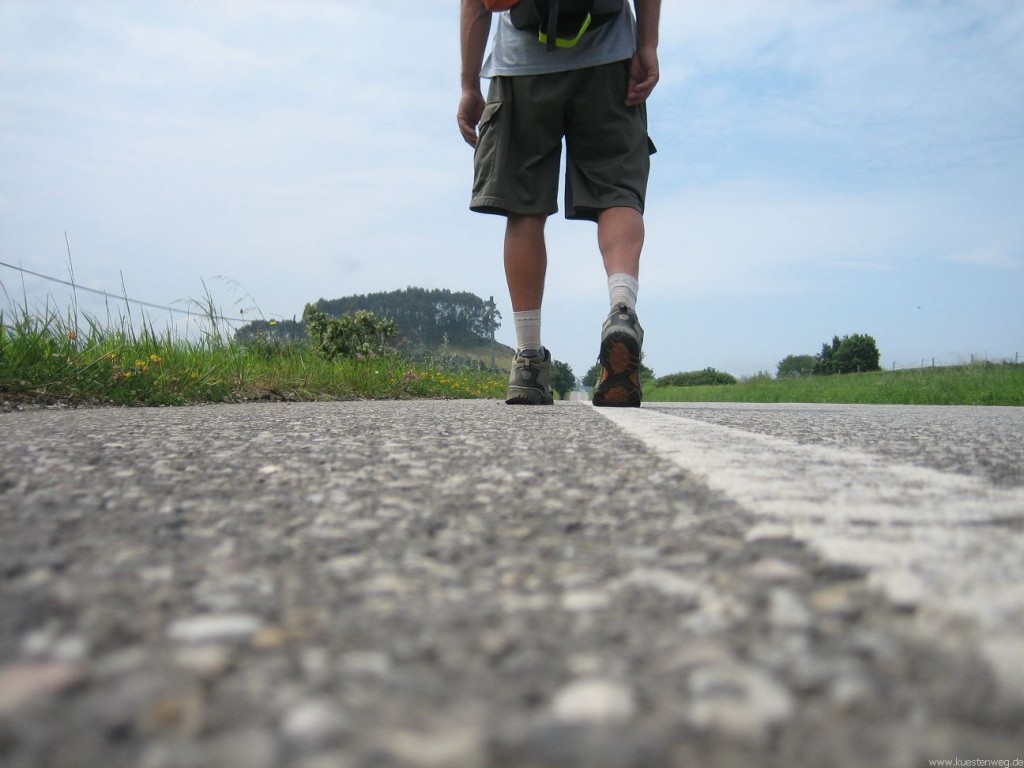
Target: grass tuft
(49, 358)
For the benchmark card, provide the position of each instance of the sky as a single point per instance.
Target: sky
(823, 169)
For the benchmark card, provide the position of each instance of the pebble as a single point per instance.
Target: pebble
(666, 582)
(787, 611)
(904, 589)
(840, 600)
(25, 681)
(1005, 656)
(207, 660)
(774, 571)
(594, 700)
(244, 748)
(313, 725)
(739, 701)
(444, 748)
(585, 600)
(211, 628)
(366, 663)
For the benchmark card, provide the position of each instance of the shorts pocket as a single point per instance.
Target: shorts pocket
(489, 115)
(486, 153)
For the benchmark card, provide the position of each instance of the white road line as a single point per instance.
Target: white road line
(949, 546)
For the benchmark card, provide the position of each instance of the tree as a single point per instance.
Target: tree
(848, 355)
(796, 366)
(825, 364)
(857, 353)
(562, 378)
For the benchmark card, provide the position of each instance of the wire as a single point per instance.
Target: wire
(150, 304)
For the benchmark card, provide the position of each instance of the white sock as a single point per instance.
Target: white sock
(622, 289)
(527, 328)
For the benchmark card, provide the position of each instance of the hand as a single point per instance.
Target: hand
(643, 76)
(471, 107)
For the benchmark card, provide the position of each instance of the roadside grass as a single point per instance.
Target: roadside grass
(53, 358)
(977, 384)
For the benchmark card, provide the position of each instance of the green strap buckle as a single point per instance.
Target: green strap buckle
(568, 42)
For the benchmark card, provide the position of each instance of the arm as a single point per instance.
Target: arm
(643, 69)
(474, 29)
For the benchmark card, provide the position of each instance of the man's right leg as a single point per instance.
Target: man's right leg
(621, 238)
(526, 262)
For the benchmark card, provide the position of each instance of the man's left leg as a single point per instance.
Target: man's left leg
(525, 270)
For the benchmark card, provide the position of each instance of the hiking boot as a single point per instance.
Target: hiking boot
(529, 383)
(621, 340)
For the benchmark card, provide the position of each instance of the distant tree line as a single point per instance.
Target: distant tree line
(422, 317)
(851, 354)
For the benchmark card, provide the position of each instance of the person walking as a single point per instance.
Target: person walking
(587, 85)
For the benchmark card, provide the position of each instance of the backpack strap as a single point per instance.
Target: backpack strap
(552, 40)
(576, 17)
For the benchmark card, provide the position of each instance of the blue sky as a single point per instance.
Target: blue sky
(824, 168)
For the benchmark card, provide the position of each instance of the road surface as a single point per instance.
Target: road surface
(469, 584)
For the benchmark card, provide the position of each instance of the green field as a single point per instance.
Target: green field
(54, 359)
(60, 359)
(979, 384)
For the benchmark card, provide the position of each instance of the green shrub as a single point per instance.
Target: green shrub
(851, 354)
(797, 366)
(707, 377)
(357, 335)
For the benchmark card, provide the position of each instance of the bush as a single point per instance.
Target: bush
(851, 354)
(562, 378)
(796, 366)
(709, 376)
(357, 335)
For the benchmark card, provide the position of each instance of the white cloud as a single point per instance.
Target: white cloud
(989, 256)
(755, 238)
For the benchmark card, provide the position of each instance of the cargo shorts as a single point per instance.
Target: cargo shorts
(519, 147)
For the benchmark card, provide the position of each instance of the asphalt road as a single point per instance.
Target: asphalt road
(470, 584)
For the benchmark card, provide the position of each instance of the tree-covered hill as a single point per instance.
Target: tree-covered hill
(425, 318)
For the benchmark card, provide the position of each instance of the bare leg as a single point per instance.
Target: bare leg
(526, 260)
(620, 236)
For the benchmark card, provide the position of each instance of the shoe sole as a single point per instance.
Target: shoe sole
(518, 396)
(620, 359)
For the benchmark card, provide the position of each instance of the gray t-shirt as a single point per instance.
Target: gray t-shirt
(517, 52)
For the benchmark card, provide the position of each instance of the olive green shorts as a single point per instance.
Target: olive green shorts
(519, 150)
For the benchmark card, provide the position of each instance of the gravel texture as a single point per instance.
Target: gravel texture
(436, 585)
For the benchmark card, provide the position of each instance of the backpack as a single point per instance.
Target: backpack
(569, 19)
